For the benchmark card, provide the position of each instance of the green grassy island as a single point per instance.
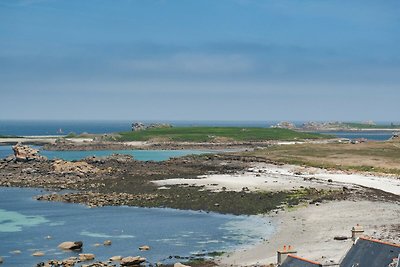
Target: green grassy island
(209, 134)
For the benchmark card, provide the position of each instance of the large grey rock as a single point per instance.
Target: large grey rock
(69, 245)
(115, 258)
(132, 261)
(86, 257)
(178, 264)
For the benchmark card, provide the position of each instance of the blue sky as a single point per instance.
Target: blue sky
(200, 60)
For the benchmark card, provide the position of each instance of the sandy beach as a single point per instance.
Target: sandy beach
(310, 229)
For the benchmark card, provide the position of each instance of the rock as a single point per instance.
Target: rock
(97, 245)
(67, 167)
(144, 248)
(115, 258)
(178, 264)
(138, 126)
(38, 254)
(132, 261)
(69, 245)
(107, 243)
(26, 153)
(285, 125)
(86, 257)
(1, 260)
(70, 261)
(340, 238)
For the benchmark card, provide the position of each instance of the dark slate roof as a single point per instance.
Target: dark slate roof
(294, 261)
(371, 253)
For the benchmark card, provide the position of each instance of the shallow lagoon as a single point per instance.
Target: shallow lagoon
(143, 155)
(25, 223)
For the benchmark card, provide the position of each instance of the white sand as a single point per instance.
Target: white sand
(311, 231)
(270, 177)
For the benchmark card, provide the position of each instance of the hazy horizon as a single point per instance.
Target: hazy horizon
(228, 60)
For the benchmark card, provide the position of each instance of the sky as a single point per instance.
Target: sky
(200, 60)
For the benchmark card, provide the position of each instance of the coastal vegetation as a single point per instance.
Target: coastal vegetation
(210, 134)
(377, 157)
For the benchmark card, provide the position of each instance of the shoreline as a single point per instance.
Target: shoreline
(217, 183)
(307, 228)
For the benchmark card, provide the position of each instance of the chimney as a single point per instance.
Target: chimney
(356, 232)
(283, 253)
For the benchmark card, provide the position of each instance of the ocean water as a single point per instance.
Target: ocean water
(27, 128)
(25, 223)
(369, 135)
(143, 155)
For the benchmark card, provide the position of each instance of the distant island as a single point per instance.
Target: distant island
(337, 126)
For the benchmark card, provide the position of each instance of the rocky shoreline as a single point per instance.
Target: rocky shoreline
(121, 180)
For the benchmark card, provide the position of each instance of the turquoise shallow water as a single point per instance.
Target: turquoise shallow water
(144, 155)
(25, 223)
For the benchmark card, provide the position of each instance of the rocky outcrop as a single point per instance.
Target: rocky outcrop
(86, 257)
(26, 153)
(115, 258)
(178, 264)
(140, 126)
(107, 243)
(69, 245)
(132, 261)
(79, 168)
(144, 248)
(285, 125)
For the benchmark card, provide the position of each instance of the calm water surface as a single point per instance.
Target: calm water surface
(25, 223)
(143, 155)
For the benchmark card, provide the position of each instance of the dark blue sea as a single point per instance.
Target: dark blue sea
(28, 128)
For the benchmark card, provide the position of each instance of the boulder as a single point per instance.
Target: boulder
(178, 264)
(26, 153)
(107, 243)
(86, 257)
(144, 248)
(132, 261)
(38, 254)
(69, 245)
(115, 258)
(1, 260)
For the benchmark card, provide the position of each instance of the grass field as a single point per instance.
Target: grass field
(208, 134)
(381, 157)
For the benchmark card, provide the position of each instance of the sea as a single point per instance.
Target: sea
(28, 225)
(43, 128)
(141, 155)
